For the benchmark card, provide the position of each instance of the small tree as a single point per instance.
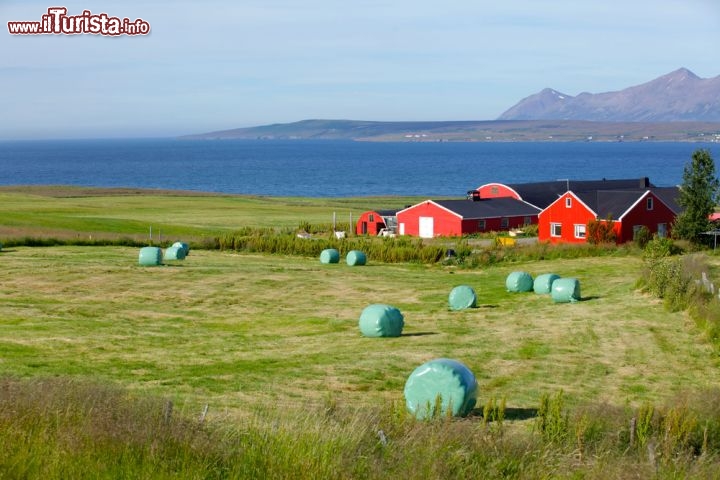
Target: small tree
(601, 231)
(698, 196)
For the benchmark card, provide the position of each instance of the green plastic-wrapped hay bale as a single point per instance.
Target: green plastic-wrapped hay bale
(543, 283)
(184, 246)
(356, 257)
(519, 282)
(379, 320)
(174, 253)
(566, 290)
(440, 387)
(150, 256)
(329, 255)
(462, 297)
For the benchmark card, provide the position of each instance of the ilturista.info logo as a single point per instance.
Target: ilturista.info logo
(57, 22)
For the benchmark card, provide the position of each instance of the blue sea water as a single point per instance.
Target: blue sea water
(333, 168)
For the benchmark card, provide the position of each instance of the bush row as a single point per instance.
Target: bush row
(683, 283)
(388, 250)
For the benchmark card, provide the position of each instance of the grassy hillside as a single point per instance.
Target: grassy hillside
(70, 212)
(92, 346)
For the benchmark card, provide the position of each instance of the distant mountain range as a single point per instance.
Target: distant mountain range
(678, 96)
(679, 106)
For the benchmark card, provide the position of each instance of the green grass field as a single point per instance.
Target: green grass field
(240, 332)
(69, 212)
(236, 330)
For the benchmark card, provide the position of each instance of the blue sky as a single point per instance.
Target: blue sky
(223, 64)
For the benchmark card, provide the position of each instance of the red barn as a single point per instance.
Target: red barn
(433, 218)
(371, 222)
(566, 219)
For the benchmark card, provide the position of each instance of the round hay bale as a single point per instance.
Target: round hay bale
(184, 246)
(519, 282)
(566, 290)
(356, 257)
(380, 320)
(329, 255)
(462, 297)
(150, 256)
(543, 283)
(440, 387)
(174, 253)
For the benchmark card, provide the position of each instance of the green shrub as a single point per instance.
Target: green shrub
(642, 236)
(660, 248)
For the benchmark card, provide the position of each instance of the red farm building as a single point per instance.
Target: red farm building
(372, 221)
(566, 219)
(433, 218)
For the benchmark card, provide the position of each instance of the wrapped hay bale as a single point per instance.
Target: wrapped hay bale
(519, 282)
(356, 257)
(150, 256)
(329, 255)
(174, 253)
(380, 320)
(543, 283)
(440, 387)
(462, 297)
(566, 290)
(184, 246)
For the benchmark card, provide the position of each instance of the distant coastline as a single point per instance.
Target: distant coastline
(475, 131)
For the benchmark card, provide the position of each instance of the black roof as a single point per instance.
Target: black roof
(489, 208)
(386, 213)
(616, 202)
(542, 194)
(669, 196)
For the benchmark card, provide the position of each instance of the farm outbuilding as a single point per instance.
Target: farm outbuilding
(433, 218)
(566, 219)
(372, 221)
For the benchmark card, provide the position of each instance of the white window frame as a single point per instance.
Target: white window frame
(568, 202)
(649, 203)
(557, 226)
(580, 230)
(662, 230)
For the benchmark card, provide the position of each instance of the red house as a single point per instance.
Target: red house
(372, 221)
(433, 218)
(566, 219)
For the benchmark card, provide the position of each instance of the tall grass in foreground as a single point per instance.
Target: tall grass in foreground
(53, 429)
